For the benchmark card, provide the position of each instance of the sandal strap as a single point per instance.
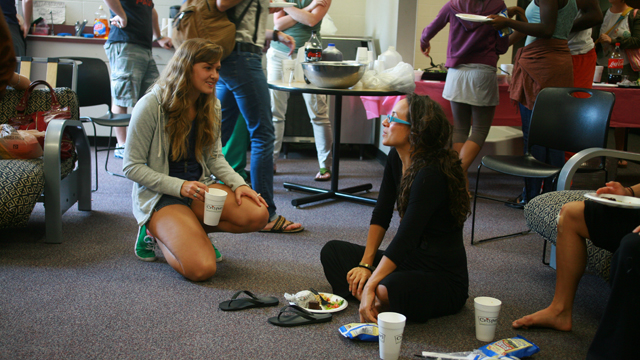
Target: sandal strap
(324, 171)
(295, 309)
(279, 224)
(235, 296)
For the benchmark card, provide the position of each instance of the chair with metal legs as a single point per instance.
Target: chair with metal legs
(559, 121)
(94, 88)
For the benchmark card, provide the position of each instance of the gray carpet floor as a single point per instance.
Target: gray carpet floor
(91, 298)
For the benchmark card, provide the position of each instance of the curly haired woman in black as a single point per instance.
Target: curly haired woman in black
(422, 274)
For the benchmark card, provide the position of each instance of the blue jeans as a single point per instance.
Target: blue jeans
(549, 156)
(242, 88)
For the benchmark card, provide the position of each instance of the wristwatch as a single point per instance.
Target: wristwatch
(275, 35)
(367, 266)
(158, 39)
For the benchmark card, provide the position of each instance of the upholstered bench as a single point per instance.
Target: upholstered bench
(59, 184)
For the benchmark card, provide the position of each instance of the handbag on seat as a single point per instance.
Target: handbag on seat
(40, 119)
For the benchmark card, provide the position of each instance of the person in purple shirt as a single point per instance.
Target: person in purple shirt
(422, 274)
(472, 83)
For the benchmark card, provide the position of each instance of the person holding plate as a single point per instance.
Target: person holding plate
(472, 83)
(423, 272)
(616, 230)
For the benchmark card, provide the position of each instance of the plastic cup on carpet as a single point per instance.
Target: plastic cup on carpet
(213, 204)
(390, 328)
(486, 312)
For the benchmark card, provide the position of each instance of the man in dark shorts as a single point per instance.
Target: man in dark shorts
(614, 229)
(134, 28)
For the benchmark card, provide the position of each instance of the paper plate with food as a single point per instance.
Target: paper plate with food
(320, 303)
(615, 200)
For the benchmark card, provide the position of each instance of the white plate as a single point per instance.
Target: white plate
(474, 17)
(332, 298)
(620, 200)
(281, 4)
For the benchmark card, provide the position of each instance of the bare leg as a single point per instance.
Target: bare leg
(571, 259)
(121, 132)
(247, 217)
(183, 242)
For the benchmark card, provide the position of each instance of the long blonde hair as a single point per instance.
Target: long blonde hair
(175, 84)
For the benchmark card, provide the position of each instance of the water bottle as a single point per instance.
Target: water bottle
(331, 53)
(616, 62)
(101, 24)
(390, 58)
(313, 48)
(506, 31)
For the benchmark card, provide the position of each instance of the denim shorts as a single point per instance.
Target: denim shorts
(133, 71)
(167, 200)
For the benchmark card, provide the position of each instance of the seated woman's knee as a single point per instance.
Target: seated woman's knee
(254, 219)
(200, 270)
(570, 213)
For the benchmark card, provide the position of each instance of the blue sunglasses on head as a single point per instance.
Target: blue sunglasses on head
(392, 119)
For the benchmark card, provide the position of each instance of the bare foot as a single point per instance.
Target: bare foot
(548, 318)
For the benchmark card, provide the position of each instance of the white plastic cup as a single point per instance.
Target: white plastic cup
(390, 328)
(362, 55)
(486, 312)
(597, 76)
(213, 204)
(378, 66)
(288, 67)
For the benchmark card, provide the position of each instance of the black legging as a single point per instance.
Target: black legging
(418, 294)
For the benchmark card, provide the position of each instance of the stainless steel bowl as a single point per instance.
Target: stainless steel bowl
(333, 74)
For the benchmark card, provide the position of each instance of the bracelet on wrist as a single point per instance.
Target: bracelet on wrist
(275, 35)
(158, 39)
(633, 193)
(367, 266)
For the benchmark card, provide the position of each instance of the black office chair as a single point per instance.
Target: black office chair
(559, 121)
(94, 88)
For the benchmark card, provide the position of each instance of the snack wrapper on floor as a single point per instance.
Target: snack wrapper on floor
(512, 348)
(516, 346)
(360, 331)
(301, 298)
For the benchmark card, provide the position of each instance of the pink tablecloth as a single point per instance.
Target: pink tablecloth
(507, 113)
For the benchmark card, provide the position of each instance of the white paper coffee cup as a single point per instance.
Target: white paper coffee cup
(390, 328)
(288, 67)
(487, 310)
(213, 204)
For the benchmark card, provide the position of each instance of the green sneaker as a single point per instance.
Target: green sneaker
(145, 244)
(218, 255)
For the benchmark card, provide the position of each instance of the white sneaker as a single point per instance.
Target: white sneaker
(118, 153)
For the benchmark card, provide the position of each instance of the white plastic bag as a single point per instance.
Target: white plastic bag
(398, 78)
(328, 27)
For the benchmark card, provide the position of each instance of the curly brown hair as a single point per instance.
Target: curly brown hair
(429, 139)
(175, 84)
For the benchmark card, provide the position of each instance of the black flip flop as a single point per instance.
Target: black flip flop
(253, 301)
(298, 316)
